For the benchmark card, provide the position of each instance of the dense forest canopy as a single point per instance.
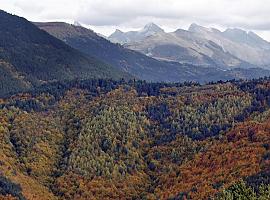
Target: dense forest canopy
(107, 139)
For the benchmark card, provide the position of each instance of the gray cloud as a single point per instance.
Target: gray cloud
(130, 14)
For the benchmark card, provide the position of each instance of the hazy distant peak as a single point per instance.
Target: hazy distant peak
(151, 24)
(258, 40)
(118, 36)
(215, 30)
(197, 28)
(180, 31)
(249, 37)
(237, 35)
(194, 26)
(254, 35)
(118, 31)
(76, 23)
(151, 27)
(235, 31)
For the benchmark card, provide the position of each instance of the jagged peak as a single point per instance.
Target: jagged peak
(152, 27)
(195, 28)
(118, 31)
(194, 25)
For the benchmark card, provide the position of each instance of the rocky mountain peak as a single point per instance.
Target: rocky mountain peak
(151, 27)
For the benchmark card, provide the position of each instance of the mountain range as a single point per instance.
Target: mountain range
(139, 65)
(32, 54)
(198, 45)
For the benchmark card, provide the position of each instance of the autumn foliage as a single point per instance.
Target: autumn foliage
(103, 139)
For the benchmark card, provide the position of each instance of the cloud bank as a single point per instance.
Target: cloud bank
(129, 14)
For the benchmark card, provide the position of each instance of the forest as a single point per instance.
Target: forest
(107, 139)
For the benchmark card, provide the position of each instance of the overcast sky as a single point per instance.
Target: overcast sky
(104, 16)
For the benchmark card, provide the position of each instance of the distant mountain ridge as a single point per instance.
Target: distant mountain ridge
(30, 57)
(244, 45)
(232, 48)
(140, 66)
(131, 36)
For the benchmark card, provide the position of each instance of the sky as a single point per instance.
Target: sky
(104, 16)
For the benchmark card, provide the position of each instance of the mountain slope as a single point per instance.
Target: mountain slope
(137, 64)
(244, 45)
(30, 56)
(184, 47)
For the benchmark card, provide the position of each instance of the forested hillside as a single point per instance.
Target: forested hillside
(30, 57)
(105, 139)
